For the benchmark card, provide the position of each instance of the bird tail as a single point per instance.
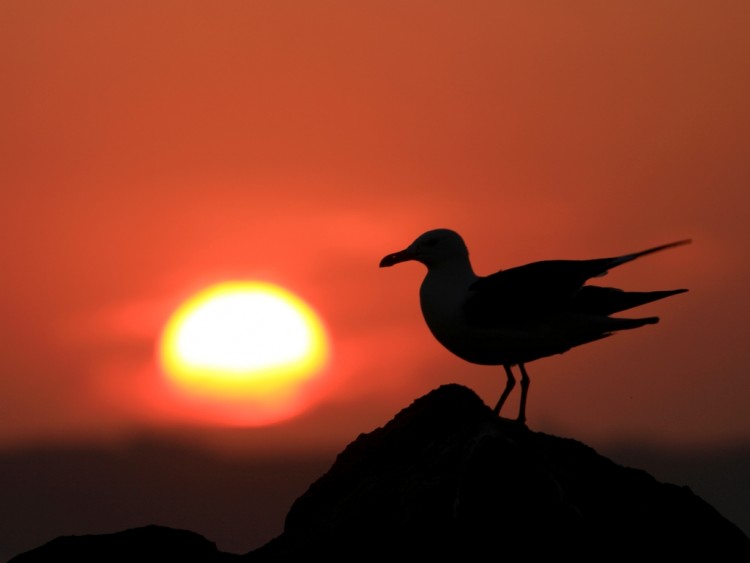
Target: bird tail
(596, 300)
(629, 257)
(597, 328)
(627, 324)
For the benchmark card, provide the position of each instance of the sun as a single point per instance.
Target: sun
(248, 346)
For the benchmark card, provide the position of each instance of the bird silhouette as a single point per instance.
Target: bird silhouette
(518, 315)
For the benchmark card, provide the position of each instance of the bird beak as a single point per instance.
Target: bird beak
(397, 258)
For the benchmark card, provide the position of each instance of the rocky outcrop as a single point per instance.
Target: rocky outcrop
(447, 478)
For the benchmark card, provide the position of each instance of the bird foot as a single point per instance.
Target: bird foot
(512, 420)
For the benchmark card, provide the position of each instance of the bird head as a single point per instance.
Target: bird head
(432, 248)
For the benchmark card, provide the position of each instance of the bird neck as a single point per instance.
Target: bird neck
(457, 274)
(457, 267)
(442, 298)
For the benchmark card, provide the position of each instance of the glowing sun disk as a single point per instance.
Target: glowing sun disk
(243, 341)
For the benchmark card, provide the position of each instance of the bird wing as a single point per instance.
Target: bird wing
(595, 300)
(549, 286)
(527, 291)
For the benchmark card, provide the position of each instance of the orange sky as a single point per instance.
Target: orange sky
(149, 149)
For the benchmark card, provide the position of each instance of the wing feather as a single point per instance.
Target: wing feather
(549, 286)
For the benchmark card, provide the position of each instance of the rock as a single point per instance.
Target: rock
(148, 543)
(447, 478)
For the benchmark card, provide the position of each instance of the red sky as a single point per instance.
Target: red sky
(150, 148)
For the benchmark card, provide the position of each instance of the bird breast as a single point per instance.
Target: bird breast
(443, 297)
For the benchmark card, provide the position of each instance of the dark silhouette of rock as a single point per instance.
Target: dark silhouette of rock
(149, 543)
(447, 478)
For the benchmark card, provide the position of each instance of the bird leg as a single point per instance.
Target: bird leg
(509, 385)
(524, 391)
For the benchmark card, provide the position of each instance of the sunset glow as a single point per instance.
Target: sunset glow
(165, 164)
(250, 343)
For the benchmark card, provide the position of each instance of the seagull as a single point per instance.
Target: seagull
(521, 314)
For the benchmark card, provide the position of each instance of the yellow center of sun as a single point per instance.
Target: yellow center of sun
(243, 340)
